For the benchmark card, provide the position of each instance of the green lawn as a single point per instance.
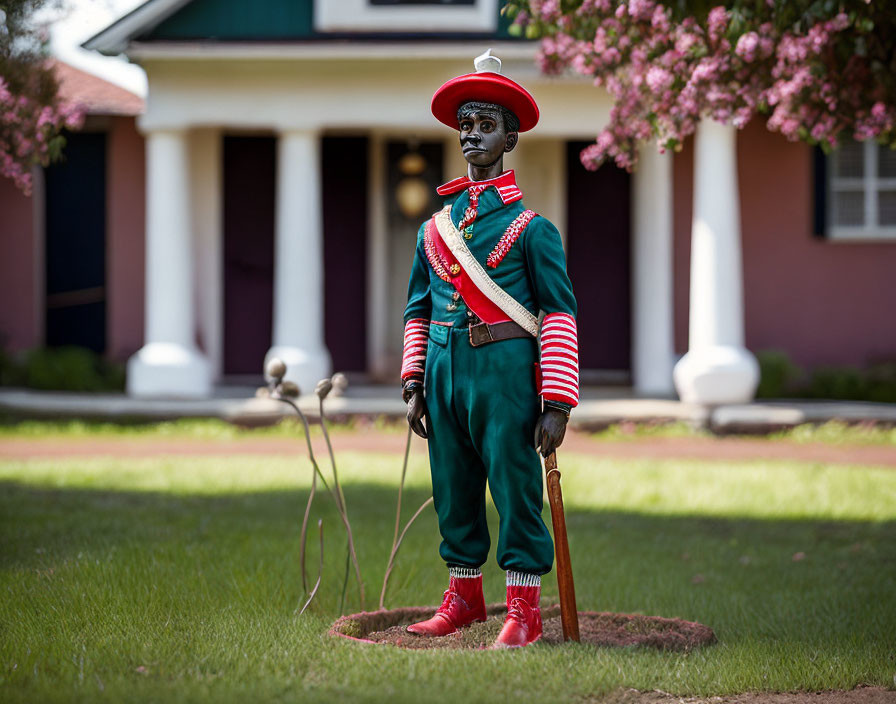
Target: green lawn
(833, 432)
(177, 579)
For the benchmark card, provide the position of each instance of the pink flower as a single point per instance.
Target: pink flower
(838, 24)
(717, 22)
(747, 46)
(684, 42)
(658, 79)
(641, 9)
(660, 19)
(665, 77)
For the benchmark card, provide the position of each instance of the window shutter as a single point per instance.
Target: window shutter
(820, 192)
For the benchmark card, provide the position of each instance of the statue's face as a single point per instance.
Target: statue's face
(483, 137)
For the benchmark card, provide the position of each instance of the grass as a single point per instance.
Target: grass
(177, 579)
(186, 428)
(832, 432)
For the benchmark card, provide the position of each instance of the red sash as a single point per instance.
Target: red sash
(475, 300)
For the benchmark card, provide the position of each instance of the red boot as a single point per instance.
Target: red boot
(523, 622)
(463, 604)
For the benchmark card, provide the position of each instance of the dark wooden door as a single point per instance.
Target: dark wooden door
(344, 177)
(250, 168)
(76, 244)
(599, 261)
(403, 226)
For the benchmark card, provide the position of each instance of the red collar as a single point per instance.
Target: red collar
(505, 184)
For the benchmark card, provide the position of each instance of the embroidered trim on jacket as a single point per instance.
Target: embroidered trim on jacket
(479, 277)
(511, 235)
(435, 259)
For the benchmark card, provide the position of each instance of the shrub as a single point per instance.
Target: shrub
(882, 382)
(840, 383)
(61, 369)
(781, 378)
(777, 374)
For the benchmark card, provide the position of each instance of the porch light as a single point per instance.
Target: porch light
(412, 193)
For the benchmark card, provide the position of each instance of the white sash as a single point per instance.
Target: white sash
(497, 295)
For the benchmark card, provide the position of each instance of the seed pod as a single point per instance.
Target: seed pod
(275, 369)
(323, 388)
(288, 389)
(340, 382)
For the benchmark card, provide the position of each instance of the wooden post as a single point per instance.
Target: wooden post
(569, 615)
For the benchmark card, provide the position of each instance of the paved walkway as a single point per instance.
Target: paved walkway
(599, 408)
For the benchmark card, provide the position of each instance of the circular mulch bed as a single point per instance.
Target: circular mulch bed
(604, 629)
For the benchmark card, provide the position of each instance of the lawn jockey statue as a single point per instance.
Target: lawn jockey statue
(484, 370)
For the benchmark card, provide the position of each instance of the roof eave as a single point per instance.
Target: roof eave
(116, 38)
(180, 50)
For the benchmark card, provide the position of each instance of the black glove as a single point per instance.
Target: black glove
(416, 410)
(550, 429)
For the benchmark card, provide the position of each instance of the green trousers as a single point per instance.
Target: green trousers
(483, 407)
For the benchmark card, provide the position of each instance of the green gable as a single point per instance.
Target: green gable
(257, 20)
(238, 19)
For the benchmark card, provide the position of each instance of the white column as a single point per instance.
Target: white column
(717, 368)
(299, 261)
(206, 177)
(169, 363)
(380, 362)
(652, 325)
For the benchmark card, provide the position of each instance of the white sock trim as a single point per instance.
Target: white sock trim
(464, 572)
(523, 579)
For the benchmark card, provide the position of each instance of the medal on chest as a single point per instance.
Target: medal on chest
(455, 297)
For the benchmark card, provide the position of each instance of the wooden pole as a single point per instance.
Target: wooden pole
(569, 616)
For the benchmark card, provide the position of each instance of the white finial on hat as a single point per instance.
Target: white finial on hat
(486, 63)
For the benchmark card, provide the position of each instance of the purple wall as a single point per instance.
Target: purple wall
(125, 198)
(20, 326)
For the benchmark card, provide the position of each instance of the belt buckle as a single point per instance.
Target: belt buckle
(480, 335)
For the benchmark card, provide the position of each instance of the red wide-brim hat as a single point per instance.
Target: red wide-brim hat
(484, 87)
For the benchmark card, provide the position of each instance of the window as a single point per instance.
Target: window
(862, 191)
(388, 16)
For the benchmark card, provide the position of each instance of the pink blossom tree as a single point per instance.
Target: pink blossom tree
(814, 70)
(31, 116)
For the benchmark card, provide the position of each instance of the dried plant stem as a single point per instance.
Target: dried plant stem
(323, 425)
(395, 549)
(340, 504)
(320, 566)
(404, 471)
(317, 473)
(308, 442)
(304, 536)
(345, 578)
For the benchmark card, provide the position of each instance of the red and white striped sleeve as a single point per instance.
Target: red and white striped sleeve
(416, 337)
(560, 359)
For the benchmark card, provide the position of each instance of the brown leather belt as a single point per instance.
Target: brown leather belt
(483, 333)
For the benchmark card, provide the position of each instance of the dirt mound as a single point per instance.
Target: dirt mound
(604, 629)
(860, 695)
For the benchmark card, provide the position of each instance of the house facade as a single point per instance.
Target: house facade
(290, 156)
(71, 253)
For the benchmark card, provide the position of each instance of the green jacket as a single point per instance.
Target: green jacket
(533, 271)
